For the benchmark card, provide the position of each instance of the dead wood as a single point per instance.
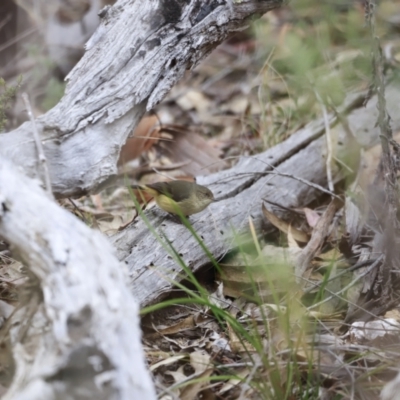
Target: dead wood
(139, 51)
(318, 237)
(78, 330)
(240, 192)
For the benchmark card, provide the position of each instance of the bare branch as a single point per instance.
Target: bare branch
(84, 333)
(139, 51)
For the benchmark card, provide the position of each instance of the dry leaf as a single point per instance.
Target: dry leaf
(167, 361)
(252, 276)
(144, 137)
(191, 150)
(218, 299)
(394, 314)
(354, 222)
(361, 332)
(291, 240)
(284, 226)
(178, 375)
(312, 217)
(241, 374)
(200, 361)
(184, 325)
(190, 391)
(110, 227)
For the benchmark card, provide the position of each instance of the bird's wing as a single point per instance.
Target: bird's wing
(172, 189)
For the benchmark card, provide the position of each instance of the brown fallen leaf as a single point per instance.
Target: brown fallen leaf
(190, 391)
(190, 148)
(291, 240)
(145, 135)
(318, 237)
(283, 226)
(184, 325)
(167, 361)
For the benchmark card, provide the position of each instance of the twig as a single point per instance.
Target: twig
(250, 377)
(83, 218)
(361, 264)
(352, 283)
(158, 172)
(5, 20)
(386, 135)
(38, 142)
(277, 172)
(375, 316)
(296, 178)
(320, 232)
(17, 38)
(328, 142)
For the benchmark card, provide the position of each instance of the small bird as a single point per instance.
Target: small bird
(179, 197)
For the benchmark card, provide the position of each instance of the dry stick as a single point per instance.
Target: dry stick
(18, 38)
(328, 142)
(296, 178)
(338, 296)
(83, 218)
(249, 378)
(384, 282)
(351, 284)
(386, 135)
(6, 20)
(305, 181)
(39, 146)
(318, 236)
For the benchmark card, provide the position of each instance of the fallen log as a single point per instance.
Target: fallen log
(287, 174)
(139, 51)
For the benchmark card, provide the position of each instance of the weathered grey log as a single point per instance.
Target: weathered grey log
(240, 192)
(78, 335)
(87, 338)
(140, 50)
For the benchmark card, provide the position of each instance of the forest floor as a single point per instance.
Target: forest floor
(246, 329)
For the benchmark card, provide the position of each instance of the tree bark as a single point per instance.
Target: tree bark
(239, 194)
(77, 335)
(139, 51)
(277, 175)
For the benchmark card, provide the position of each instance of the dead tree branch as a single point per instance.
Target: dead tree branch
(139, 51)
(79, 329)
